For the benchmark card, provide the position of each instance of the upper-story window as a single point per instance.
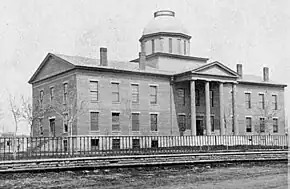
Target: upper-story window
(135, 93)
(153, 45)
(262, 101)
(248, 100)
(65, 93)
(65, 123)
(115, 92)
(170, 45)
(115, 121)
(275, 103)
(197, 97)
(94, 91)
(184, 47)
(211, 98)
(41, 94)
(153, 94)
(51, 94)
(181, 96)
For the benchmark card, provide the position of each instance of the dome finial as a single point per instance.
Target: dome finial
(164, 13)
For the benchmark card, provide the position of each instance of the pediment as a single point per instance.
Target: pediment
(217, 69)
(51, 65)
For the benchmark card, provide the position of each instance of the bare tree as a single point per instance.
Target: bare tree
(16, 114)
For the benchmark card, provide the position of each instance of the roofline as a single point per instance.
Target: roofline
(42, 64)
(172, 56)
(122, 71)
(235, 74)
(165, 33)
(262, 83)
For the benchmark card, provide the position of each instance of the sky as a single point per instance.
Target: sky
(254, 33)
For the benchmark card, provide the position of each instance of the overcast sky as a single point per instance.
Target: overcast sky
(254, 33)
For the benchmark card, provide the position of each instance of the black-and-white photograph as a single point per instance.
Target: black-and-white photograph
(167, 94)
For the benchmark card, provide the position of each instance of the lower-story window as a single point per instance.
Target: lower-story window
(248, 124)
(136, 143)
(154, 143)
(275, 125)
(116, 144)
(212, 123)
(65, 145)
(94, 144)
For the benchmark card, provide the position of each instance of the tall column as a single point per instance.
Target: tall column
(192, 107)
(235, 122)
(207, 108)
(222, 121)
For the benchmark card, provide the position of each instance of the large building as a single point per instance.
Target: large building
(165, 91)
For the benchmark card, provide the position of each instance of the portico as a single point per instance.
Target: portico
(207, 115)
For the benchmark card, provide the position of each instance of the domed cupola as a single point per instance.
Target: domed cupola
(165, 34)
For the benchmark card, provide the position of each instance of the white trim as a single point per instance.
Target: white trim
(96, 80)
(248, 116)
(53, 117)
(153, 85)
(65, 82)
(275, 118)
(97, 111)
(115, 111)
(135, 112)
(261, 93)
(182, 114)
(274, 94)
(132, 83)
(153, 113)
(248, 92)
(116, 82)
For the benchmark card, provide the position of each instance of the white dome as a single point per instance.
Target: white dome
(164, 21)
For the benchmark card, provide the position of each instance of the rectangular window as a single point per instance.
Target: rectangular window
(115, 121)
(248, 100)
(248, 124)
(154, 143)
(170, 45)
(135, 93)
(94, 90)
(262, 101)
(52, 127)
(275, 104)
(153, 46)
(181, 96)
(94, 117)
(136, 143)
(262, 125)
(65, 123)
(65, 145)
(182, 122)
(135, 121)
(41, 94)
(179, 46)
(115, 92)
(212, 123)
(116, 144)
(51, 94)
(153, 122)
(65, 93)
(197, 97)
(94, 144)
(184, 47)
(161, 44)
(211, 98)
(40, 126)
(153, 94)
(275, 125)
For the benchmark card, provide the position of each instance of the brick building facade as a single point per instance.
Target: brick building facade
(163, 92)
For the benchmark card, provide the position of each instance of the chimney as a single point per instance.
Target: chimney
(103, 57)
(240, 70)
(265, 74)
(142, 60)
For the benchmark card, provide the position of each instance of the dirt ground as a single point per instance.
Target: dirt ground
(272, 175)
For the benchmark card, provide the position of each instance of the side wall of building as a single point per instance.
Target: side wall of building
(105, 106)
(46, 112)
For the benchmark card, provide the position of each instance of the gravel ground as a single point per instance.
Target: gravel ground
(177, 177)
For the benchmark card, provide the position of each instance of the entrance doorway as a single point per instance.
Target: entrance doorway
(199, 125)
